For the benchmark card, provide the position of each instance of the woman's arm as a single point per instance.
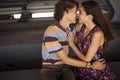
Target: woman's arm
(97, 40)
(99, 64)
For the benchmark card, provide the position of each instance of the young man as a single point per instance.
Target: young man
(55, 47)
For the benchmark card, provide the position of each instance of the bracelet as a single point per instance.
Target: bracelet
(91, 65)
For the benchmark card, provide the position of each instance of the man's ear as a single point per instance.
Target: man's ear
(67, 11)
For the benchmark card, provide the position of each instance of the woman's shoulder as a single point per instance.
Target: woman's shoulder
(97, 28)
(97, 31)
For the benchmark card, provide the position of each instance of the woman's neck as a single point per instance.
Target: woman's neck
(90, 25)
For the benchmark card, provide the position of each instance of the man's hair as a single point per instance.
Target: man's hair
(63, 5)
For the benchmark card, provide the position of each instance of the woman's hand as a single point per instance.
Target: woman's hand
(71, 37)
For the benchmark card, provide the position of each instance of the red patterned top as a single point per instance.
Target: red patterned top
(83, 45)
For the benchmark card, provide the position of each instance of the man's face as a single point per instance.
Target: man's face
(71, 15)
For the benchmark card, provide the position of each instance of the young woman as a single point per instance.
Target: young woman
(94, 34)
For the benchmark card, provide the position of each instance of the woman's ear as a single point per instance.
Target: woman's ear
(90, 17)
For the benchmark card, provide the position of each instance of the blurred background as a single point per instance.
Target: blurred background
(22, 23)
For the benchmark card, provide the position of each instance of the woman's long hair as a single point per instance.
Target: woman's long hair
(94, 9)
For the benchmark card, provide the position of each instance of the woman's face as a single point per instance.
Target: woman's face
(83, 17)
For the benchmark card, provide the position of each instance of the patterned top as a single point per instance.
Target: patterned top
(83, 44)
(92, 74)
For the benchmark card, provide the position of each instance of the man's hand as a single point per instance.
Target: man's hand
(99, 64)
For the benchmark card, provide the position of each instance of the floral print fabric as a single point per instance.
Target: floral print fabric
(92, 74)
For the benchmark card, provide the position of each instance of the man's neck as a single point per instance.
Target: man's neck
(64, 23)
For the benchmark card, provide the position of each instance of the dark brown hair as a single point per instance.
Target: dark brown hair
(94, 9)
(63, 5)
